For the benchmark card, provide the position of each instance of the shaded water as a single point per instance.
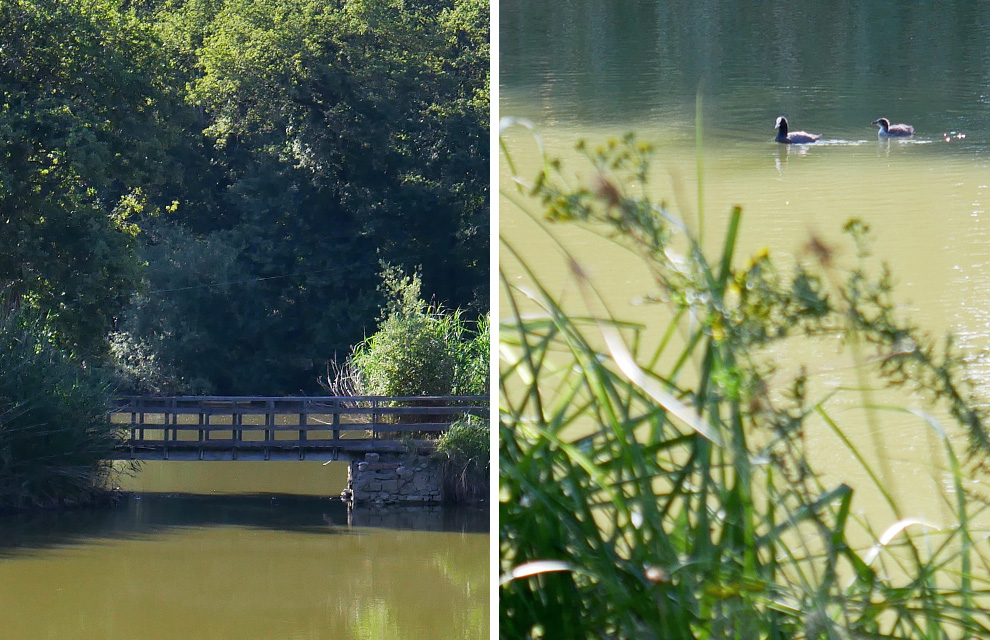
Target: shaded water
(250, 566)
(589, 70)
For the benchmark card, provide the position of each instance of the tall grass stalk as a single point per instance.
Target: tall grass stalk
(669, 493)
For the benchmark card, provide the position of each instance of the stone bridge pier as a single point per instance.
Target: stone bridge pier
(382, 478)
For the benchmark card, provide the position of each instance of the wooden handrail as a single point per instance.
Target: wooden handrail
(263, 404)
(478, 399)
(316, 421)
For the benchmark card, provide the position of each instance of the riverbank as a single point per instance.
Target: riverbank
(97, 499)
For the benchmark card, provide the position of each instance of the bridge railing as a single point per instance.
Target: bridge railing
(284, 423)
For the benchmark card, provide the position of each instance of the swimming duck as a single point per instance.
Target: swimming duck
(888, 130)
(794, 137)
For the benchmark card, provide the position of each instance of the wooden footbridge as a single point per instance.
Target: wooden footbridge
(283, 428)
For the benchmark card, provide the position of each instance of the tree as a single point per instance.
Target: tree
(373, 117)
(259, 157)
(84, 131)
(346, 133)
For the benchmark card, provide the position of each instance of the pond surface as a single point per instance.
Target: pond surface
(259, 566)
(582, 69)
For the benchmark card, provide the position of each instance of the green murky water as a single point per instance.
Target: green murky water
(581, 69)
(244, 566)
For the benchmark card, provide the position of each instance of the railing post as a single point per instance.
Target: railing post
(166, 417)
(175, 420)
(335, 406)
(133, 428)
(134, 416)
(269, 420)
(164, 411)
(235, 421)
(303, 427)
(270, 424)
(303, 420)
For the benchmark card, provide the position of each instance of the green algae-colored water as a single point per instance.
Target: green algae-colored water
(244, 566)
(588, 70)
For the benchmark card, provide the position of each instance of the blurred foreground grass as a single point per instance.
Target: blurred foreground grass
(670, 493)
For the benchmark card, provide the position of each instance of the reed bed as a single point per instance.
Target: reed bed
(668, 492)
(56, 438)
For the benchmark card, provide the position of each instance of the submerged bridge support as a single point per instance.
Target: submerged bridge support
(387, 440)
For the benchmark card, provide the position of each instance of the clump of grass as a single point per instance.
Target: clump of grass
(418, 349)
(56, 440)
(670, 493)
(464, 455)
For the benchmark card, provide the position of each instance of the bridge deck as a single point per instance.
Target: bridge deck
(283, 428)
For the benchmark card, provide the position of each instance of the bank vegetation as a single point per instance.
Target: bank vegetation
(659, 481)
(197, 196)
(422, 349)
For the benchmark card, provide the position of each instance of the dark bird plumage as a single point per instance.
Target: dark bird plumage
(793, 137)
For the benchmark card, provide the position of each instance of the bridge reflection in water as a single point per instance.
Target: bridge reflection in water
(284, 428)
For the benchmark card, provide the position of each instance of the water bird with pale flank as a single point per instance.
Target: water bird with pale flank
(793, 137)
(888, 130)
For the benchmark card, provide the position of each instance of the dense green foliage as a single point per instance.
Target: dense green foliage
(465, 455)
(662, 487)
(55, 434)
(84, 119)
(418, 350)
(214, 182)
(478, 361)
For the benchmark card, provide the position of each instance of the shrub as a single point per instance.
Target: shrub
(669, 493)
(55, 435)
(463, 452)
(418, 350)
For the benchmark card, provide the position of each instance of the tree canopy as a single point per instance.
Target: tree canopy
(84, 126)
(212, 183)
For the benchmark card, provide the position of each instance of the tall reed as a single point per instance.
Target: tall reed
(56, 440)
(669, 493)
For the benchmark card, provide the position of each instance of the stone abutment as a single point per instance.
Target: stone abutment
(385, 479)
